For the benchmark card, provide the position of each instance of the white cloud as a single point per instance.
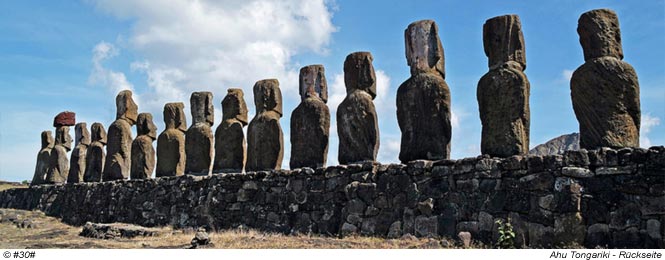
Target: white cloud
(100, 75)
(648, 122)
(566, 75)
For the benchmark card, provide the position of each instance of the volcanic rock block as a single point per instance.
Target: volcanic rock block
(171, 142)
(143, 154)
(77, 163)
(66, 118)
(605, 90)
(310, 121)
(503, 92)
(357, 121)
(43, 157)
(199, 138)
(95, 156)
(58, 163)
(118, 158)
(230, 145)
(264, 135)
(423, 100)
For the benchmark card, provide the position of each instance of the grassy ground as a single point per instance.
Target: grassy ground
(11, 185)
(51, 233)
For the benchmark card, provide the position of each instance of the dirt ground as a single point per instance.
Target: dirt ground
(49, 232)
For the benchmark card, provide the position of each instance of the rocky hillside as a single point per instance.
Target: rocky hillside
(558, 145)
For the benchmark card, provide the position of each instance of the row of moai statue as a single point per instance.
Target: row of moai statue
(604, 90)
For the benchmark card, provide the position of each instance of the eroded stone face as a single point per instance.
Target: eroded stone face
(230, 144)
(171, 143)
(359, 73)
(77, 164)
(126, 108)
(503, 92)
(43, 157)
(310, 121)
(264, 136)
(143, 154)
(605, 90)
(96, 155)
(357, 121)
(424, 52)
(199, 138)
(313, 82)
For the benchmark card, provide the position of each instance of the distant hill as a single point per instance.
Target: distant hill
(558, 145)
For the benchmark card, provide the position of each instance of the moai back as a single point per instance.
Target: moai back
(77, 164)
(171, 143)
(265, 140)
(41, 168)
(118, 157)
(96, 155)
(199, 138)
(230, 144)
(143, 154)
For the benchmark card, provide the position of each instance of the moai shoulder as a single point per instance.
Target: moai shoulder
(264, 136)
(199, 138)
(171, 142)
(143, 154)
(230, 144)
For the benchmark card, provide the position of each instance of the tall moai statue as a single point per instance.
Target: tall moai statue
(357, 123)
(605, 90)
(119, 147)
(77, 163)
(503, 92)
(199, 138)
(310, 121)
(171, 142)
(143, 154)
(95, 157)
(423, 100)
(43, 157)
(265, 140)
(58, 163)
(230, 144)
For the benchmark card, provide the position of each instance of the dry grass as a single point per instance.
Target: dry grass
(11, 185)
(51, 233)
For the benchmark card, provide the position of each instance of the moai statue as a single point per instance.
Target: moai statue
(423, 100)
(94, 161)
(43, 157)
(119, 147)
(265, 140)
(503, 92)
(199, 139)
(357, 123)
(230, 145)
(143, 154)
(58, 163)
(171, 142)
(605, 90)
(310, 121)
(77, 163)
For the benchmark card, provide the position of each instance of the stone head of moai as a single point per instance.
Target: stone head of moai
(313, 82)
(63, 138)
(267, 96)
(81, 134)
(202, 108)
(126, 108)
(174, 116)
(359, 73)
(600, 34)
(47, 139)
(98, 133)
(504, 43)
(234, 106)
(145, 126)
(424, 52)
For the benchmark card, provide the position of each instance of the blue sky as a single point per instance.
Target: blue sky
(71, 55)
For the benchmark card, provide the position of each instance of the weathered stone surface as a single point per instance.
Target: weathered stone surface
(43, 157)
(116, 230)
(66, 118)
(423, 114)
(95, 156)
(597, 235)
(465, 237)
(357, 121)
(58, 168)
(557, 145)
(199, 138)
(77, 163)
(264, 135)
(118, 157)
(605, 90)
(423, 100)
(143, 154)
(230, 144)
(201, 238)
(503, 93)
(171, 142)
(310, 121)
